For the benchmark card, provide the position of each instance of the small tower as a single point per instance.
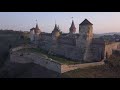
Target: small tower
(37, 30)
(85, 38)
(72, 29)
(55, 32)
(32, 34)
(37, 34)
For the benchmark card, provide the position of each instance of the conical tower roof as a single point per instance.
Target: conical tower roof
(37, 27)
(86, 22)
(56, 28)
(37, 30)
(72, 28)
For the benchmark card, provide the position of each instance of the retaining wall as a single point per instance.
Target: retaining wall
(46, 62)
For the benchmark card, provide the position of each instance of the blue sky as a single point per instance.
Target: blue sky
(102, 21)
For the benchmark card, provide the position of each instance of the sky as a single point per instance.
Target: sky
(103, 22)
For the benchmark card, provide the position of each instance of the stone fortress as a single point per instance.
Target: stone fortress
(81, 47)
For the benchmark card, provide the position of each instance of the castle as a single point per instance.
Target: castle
(82, 46)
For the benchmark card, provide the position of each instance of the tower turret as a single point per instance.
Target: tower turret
(55, 32)
(37, 30)
(72, 29)
(86, 30)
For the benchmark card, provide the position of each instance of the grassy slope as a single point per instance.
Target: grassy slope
(15, 70)
(7, 38)
(59, 59)
(111, 70)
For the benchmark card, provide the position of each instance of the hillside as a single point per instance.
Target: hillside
(110, 70)
(30, 70)
(14, 70)
(9, 38)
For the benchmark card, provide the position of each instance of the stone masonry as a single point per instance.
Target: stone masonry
(81, 47)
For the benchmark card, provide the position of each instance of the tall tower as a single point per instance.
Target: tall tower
(85, 38)
(72, 29)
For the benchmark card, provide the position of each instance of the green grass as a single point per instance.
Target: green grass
(56, 58)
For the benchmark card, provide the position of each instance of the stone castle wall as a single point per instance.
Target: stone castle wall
(77, 47)
(110, 47)
(34, 58)
(17, 48)
(67, 41)
(46, 37)
(47, 62)
(68, 51)
(97, 52)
